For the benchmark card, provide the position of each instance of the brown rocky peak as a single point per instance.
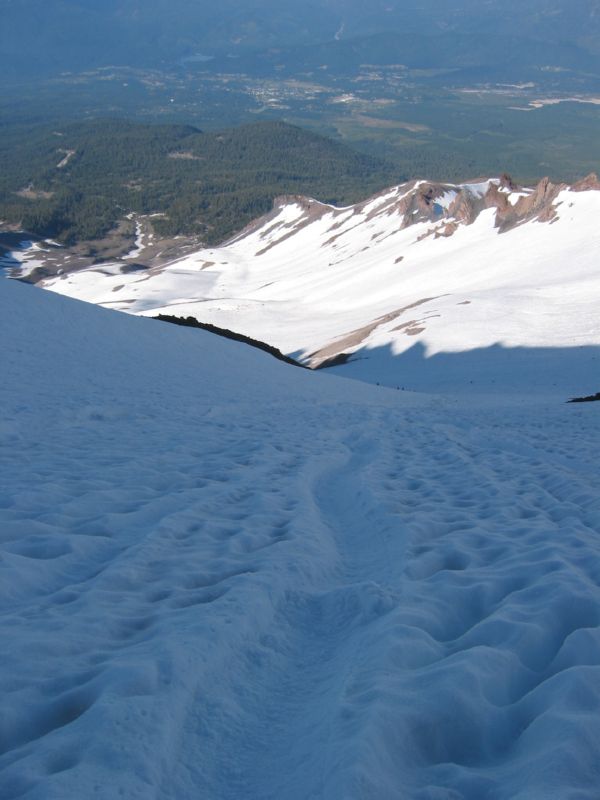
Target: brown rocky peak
(494, 198)
(591, 182)
(538, 204)
(420, 204)
(465, 208)
(542, 196)
(506, 182)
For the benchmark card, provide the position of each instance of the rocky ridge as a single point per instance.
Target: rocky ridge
(423, 268)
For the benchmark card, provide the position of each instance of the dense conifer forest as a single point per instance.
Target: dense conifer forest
(75, 182)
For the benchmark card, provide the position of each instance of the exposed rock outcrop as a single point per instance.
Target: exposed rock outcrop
(539, 204)
(590, 182)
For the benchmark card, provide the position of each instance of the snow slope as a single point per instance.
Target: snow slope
(397, 280)
(223, 577)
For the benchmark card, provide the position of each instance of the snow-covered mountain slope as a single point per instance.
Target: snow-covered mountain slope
(225, 577)
(422, 270)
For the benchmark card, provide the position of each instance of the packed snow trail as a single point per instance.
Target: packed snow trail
(453, 643)
(291, 675)
(225, 578)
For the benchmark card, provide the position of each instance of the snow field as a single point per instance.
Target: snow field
(313, 277)
(223, 577)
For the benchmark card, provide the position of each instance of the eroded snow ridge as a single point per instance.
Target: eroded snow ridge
(224, 577)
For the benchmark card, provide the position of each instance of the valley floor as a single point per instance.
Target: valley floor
(331, 593)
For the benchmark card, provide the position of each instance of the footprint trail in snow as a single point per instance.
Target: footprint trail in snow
(291, 590)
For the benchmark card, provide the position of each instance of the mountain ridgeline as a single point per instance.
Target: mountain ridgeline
(470, 281)
(81, 34)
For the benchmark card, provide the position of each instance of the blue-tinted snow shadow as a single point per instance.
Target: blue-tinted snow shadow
(10, 243)
(568, 371)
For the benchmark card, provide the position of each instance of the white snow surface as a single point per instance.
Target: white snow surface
(138, 247)
(223, 577)
(27, 257)
(395, 297)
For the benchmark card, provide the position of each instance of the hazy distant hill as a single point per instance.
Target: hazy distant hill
(458, 55)
(74, 34)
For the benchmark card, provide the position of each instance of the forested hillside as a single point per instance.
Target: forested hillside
(77, 182)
